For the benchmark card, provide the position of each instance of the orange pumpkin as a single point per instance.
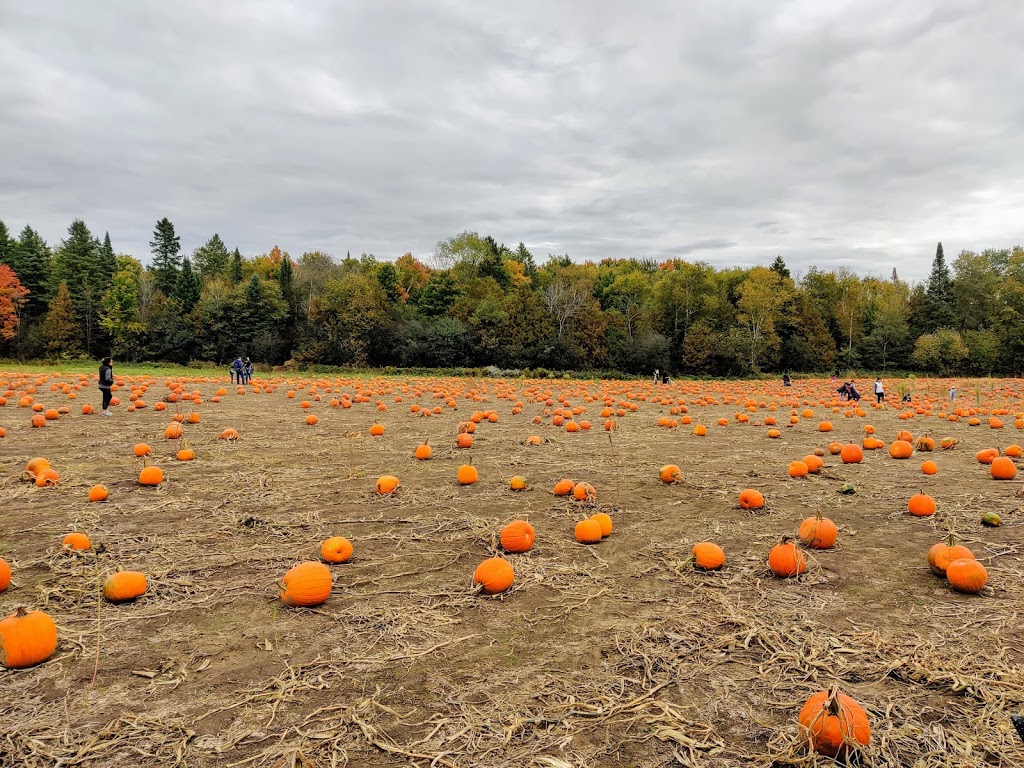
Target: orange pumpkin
(605, 521)
(5, 574)
(77, 541)
(387, 484)
(818, 532)
(834, 724)
(1003, 468)
(467, 474)
(670, 473)
(708, 556)
(494, 575)
(751, 499)
(588, 531)
(851, 454)
(921, 505)
(307, 584)
(336, 549)
(517, 536)
(786, 560)
(27, 638)
(124, 585)
(98, 493)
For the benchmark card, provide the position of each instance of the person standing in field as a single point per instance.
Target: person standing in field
(952, 394)
(106, 382)
(248, 370)
(657, 373)
(239, 373)
(879, 390)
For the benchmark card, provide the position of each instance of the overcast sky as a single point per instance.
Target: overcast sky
(833, 132)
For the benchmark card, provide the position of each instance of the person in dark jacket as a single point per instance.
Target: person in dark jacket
(854, 394)
(106, 382)
(239, 370)
(248, 370)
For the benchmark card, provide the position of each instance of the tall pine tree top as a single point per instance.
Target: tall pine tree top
(107, 261)
(779, 266)
(939, 294)
(166, 263)
(235, 270)
(77, 263)
(32, 266)
(187, 287)
(212, 259)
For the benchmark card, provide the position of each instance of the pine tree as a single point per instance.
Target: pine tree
(235, 271)
(286, 279)
(939, 294)
(107, 259)
(524, 257)
(187, 287)
(779, 265)
(166, 263)
(212, 259)
(32, 265)
(60, 328)
(8, 247)
(77, 263)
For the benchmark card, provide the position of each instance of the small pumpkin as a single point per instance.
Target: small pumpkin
(584, 492)
(670, 473)
(786, 560)
(423, 451)
(494, 575)
(306, 585)
(929, 467)
(851, 453)
(5, 574)
(27, 638)
(98, 493)
(151, 476)
(173, 431)
(818, 532)
(921, 505)
(47, 477)
(834, 724)
(387, 484)
(967, 575)
(124, 585)
(901, 449)
(942, 554)
(142, 449)
(588, 531)
(517, 536)
(1003, 468)
(797, 469)
(336, 549)
(467, 474)
(708, 556)
(991, 519)
(517, 483)
(605, 521)
(987, 455)
(77, 541)
(564, 487)
(376, 430)
(751, 499)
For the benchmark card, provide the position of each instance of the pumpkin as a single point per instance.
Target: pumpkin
(5, 574)
(921, 505)
(467, 474)
(584, 492)
(835, 448)
(901, 449)
(700, 430)
(336, 549)
(98, 493)
(708, 556)
(670, 473)
(306, 585)
(797, 469)
(142, 449)
(991, 519)
(35, 466)
(605, 521)
(1003, 468)
(851, 454)
(564, 487)
(151, 475)
(825, 426)
(517, 536)
(27, 638)
(423, 451)
(785, 559)
(494, 575)
(967, 575)
(948, 443)
(942, 554)
(76, 541)
(312, 419)
(229, 434)
(751, 499)
(905, 435)
(185, 454)
(925, 443)
(387, 484)
(987, 455)
(173, 431)
(818, 532)
(377, 430)
(814, 464)
(834, 724)
(929, 467)
(124, 585)
(517, 483)
(47, 477)
(588, 531)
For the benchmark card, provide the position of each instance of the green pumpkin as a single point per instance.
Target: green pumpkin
(847, 488)
(991, 519)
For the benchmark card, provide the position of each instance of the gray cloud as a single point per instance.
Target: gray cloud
(841, 133)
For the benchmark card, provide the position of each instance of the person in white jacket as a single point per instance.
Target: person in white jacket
(879, 390)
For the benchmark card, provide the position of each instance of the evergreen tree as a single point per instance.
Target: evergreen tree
(107, 260)
(187, 286)
(60, 328)
(780, 266)
(8, 247)
(438, 294)
(165, 248)
(939, 294)
(524, 257)
(212, 259)
(235, 271)
(78, 264)
(387, 276)
(31, 263)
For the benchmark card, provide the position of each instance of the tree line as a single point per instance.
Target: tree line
(478, 302)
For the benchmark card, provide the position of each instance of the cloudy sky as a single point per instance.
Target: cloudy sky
(834, 132)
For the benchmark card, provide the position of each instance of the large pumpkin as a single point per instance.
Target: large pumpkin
(336, 549)
(27, 638)
(751, 499)
(494, 575)
(967, 575)
(517, 536)
(708, 556)
(306, 585)
(786, 560)
(818, 532)
(124, 585)
(834, 724)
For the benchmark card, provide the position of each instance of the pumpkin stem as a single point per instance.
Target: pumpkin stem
(21, 612)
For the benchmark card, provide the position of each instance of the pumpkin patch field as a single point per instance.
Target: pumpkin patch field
(356, 571)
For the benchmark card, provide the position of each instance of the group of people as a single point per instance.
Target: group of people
(240, 371)
(662, 377)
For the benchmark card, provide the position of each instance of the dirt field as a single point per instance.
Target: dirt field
(615, 654)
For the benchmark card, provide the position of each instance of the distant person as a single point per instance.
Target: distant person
(231, 373)
(238, 366)
(854, 394)
(952, 393)
(786, 381)
(247, 367)
(907, 398)
(844, 391)
(879, 390)
(106, 382)
(657, 375)
(665, 379)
